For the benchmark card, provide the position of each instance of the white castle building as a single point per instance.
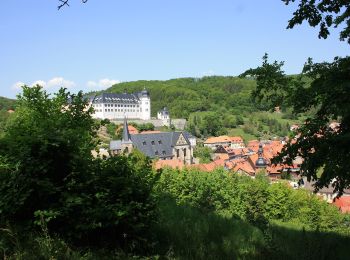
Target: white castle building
(117, 106)
(164, 115)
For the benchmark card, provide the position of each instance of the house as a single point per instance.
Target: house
(116, 106)
(327, 193)
(343, 203)
(172, 163)
(163, 145)
(226, 141)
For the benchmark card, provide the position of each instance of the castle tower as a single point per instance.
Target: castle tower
(145, 105)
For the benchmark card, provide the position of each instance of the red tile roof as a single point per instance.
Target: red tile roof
(174, 163)
(224, 139)
(343, 203)
(132, 129)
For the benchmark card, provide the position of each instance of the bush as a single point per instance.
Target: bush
(48, 175)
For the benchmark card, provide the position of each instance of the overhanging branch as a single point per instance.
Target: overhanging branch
(66, 2)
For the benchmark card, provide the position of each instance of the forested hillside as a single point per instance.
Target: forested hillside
(5, 104)
(186, 95)
(213, 105)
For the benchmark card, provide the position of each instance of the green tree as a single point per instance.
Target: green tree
(325, 13)
(322, 88)
(48, 174)
(203, 153)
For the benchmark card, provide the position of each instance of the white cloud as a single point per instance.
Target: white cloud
(18, 85)
(102, 83)
(53, 83)
(60, 82)
(91, 84)
(108, 82)
(39, 82)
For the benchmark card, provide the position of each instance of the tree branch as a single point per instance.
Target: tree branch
(66, 2)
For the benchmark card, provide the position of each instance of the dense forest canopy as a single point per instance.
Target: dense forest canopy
(186, 95)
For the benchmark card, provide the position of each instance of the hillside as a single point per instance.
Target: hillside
(6, 103)
(186, 95)
(213, 105)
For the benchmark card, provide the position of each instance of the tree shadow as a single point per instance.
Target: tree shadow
(185, 232)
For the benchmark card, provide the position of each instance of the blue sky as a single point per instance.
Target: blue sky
(90, 46)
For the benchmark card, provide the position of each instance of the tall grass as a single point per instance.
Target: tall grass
(185, 232)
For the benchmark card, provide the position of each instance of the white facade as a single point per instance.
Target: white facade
(164, 116)
(117, 106)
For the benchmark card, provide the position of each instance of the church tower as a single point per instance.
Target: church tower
(126, 145)
(261, 162)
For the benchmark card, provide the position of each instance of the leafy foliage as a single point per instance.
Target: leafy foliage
(203, 153)
(48, 175)
(325, 13)
(319, 145)
(256, 201)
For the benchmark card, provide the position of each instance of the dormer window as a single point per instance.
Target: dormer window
(156, 153)
(152, 143)
(163, 152)
(144, 143)
(159, 142)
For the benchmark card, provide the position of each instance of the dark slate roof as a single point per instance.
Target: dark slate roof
(163, 143)
(115, 145)
(188, 135)
(164, 111)
(116, 98)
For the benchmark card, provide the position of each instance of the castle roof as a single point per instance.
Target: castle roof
(118, 97)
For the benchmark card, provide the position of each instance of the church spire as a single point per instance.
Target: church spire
(126, 134)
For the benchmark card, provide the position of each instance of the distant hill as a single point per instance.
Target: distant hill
(184, 96)
(6, 103)
(213, 106)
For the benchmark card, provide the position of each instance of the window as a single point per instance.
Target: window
(146, 109)
(185, 152)
(152, 143)
(159, 142)
(163, 152)
(177, 153)
(156, 153)
(144, 143)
